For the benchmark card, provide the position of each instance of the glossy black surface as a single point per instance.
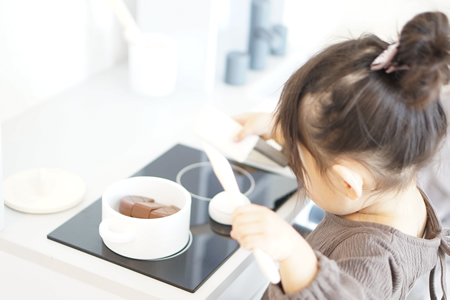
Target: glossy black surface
(208, 251)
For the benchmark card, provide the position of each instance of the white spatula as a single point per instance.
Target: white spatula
(224, 173)
(219, 130)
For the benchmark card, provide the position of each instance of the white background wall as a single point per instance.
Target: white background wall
(47, 46)
(315, 23)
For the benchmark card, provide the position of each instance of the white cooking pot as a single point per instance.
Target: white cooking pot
(145, 238)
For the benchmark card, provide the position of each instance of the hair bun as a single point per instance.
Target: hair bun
(425, 49)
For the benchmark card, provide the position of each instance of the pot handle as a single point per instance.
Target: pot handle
(114, 237)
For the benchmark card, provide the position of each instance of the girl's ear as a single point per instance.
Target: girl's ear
(351, 181)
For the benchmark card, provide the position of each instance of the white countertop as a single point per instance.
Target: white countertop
(103, 133)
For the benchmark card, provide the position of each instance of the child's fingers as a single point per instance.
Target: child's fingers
(241, 119)
(249, 208)
(246, 131)
(247, 215)
(253, 123)
(242, 230)
(249, 242)
(247, 220)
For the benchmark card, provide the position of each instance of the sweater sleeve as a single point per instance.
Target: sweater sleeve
(361, 267)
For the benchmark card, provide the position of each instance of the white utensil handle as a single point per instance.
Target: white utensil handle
(267, 265)
(218, 130)
(115, 237)
(224, 173)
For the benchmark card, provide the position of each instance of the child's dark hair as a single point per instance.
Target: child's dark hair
(393, 123)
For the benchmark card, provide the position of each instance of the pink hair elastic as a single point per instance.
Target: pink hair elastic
(384, 60)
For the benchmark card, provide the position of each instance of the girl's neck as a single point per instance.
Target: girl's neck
(405, 211)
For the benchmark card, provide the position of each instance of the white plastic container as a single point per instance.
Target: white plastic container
(152, 60)
(145, 238)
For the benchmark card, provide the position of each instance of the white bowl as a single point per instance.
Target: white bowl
(145, 238)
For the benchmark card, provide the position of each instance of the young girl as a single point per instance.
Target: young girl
(357, 123)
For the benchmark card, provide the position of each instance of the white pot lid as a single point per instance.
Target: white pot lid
(42, 191)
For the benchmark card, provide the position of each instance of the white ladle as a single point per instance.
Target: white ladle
(224, 173)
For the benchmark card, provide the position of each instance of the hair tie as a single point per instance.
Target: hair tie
(384, 60)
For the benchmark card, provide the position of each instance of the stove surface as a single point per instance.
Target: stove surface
(207, 251)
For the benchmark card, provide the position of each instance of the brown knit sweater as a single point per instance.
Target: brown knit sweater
(361, 260)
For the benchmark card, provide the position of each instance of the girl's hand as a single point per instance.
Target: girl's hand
(254, 123)
(256, 226)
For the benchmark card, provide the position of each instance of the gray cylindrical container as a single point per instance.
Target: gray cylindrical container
(260, 51)
(260, 14)
(236, 69)
(258, 47)
(279, 40)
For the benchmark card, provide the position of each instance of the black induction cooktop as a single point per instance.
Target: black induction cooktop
(208, 250)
